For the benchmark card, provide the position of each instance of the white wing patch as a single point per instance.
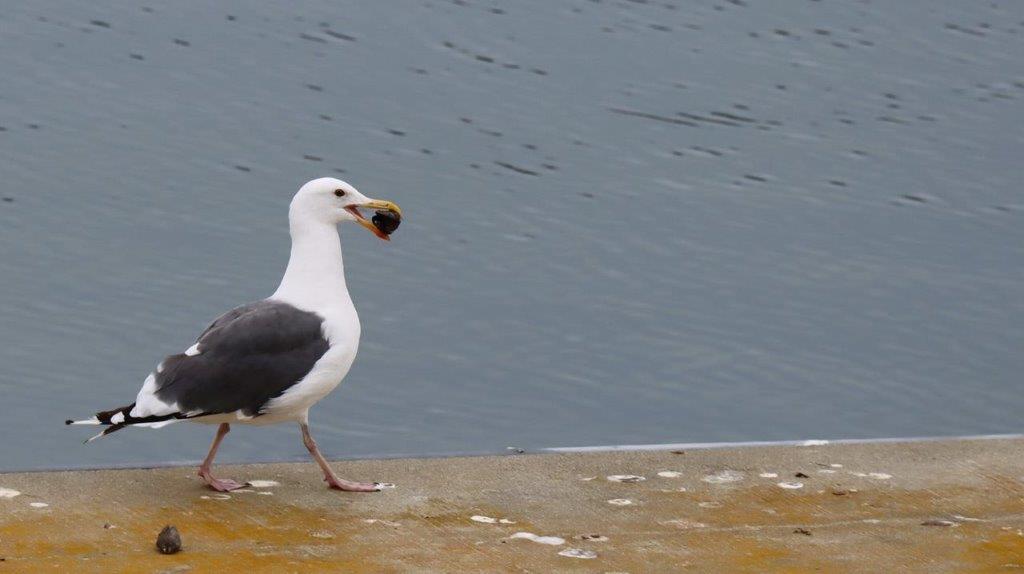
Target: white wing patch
(148, 404)
(193, 350)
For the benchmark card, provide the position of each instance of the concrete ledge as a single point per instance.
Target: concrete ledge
(932, 506)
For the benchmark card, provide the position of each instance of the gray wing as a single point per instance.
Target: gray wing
(244, 359)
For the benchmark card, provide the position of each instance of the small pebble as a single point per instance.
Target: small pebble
(169, 541)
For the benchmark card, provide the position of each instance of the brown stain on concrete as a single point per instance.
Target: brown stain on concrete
(1001, 551)
(237, 538)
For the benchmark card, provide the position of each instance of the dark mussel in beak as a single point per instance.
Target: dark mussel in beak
(386, 221)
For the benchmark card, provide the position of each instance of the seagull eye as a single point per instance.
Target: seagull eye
(339, 192)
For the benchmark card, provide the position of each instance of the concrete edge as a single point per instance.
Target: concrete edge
(511, 451)
(807, 442)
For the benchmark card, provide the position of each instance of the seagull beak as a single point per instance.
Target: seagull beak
(375, 204)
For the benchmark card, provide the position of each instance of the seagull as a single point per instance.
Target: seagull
(269, 361)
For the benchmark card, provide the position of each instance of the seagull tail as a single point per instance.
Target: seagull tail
(114, 419)
(117, 419)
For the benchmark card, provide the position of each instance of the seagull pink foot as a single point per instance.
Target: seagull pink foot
(220, 484)
(350, 486)
(332, 479)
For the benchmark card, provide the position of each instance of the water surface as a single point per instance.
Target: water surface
(626, 222)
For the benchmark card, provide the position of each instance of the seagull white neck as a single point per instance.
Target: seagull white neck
(315, 277)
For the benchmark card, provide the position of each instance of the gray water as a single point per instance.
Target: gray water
(626, 221)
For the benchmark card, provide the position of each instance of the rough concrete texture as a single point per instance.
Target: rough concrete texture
(950, 506)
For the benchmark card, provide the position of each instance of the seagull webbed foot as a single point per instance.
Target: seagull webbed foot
(350, 486)
(221, 484)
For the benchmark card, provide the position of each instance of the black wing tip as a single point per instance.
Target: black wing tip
(69, 421)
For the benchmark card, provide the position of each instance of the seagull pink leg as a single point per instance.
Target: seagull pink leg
(329, 477)
(218, 484)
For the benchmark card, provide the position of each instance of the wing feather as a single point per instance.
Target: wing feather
(245, 358)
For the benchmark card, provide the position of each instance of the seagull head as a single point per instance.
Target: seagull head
(330, 200)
